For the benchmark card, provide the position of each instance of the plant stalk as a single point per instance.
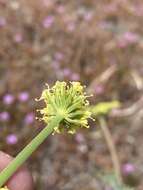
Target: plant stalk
(112, 148)
(28, 150)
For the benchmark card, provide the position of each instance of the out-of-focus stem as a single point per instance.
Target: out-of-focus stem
(28, 150)
(112, 148)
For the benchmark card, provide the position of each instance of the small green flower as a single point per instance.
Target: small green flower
(66, 109)
(68, 101)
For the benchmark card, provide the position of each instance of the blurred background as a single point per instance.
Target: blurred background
(99, 43)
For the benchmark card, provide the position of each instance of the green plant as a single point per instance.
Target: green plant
(65, 110)
(99, 111)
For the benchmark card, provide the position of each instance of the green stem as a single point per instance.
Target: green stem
(28, 150)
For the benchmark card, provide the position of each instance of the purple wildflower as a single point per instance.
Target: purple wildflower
(60, 9)
(128, 168)
(56, 64)
(128, 38)
(88, 16)
(110, 8)
(18, 38)
(23, 96)
(75, 77)
(11, 139)
(4, 116)
(122, 43)
(99, 89)
(8, 99)
(66, 72)
(131, 37)
(48, 21)
(139, 10)
(29, 118)
(105, 25)
(79, 138)
(2, 21)
(71, 26)
(47, 3)
(108, 188)
(59, 56)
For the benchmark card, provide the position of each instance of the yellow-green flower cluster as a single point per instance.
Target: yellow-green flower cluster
(68, 101)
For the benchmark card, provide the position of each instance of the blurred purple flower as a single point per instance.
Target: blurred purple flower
(131, 37)
(60, 9)
(2, 21)
(128, 38)
(29, 118)
(110, 8)
(4, 116)
(48, 21)
(139, 10)
(23, 96)
(122, 43)
(56, 64)
(47, 3)
(88, 16)
(18, 38)
(59, 56)
(71, 26)
(108, 188)
(128, 168)
(8, 99)
(11, 139)
(79, 138)
(105, 25)
(66, 72)
(99, 89)
(75, 77)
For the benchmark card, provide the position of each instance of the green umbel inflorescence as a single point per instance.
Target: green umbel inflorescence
(66, 109)
(70, 102)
